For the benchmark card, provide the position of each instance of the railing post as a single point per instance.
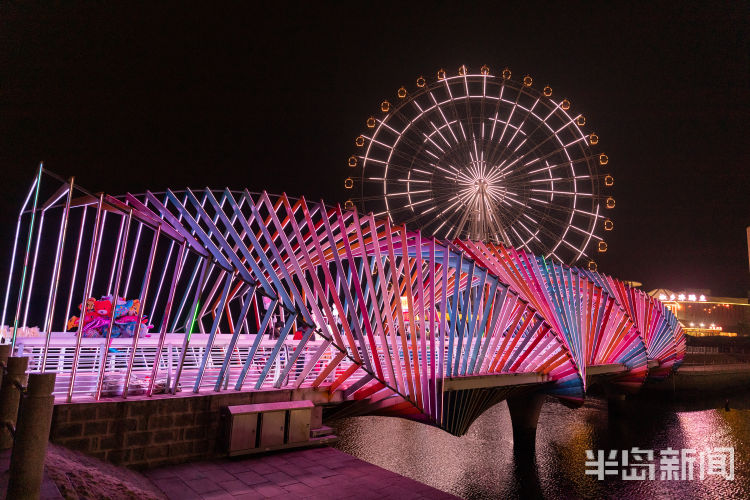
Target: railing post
(4, 355)
(10, 394)
(32, 435)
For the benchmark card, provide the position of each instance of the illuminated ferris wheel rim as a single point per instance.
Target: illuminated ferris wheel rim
(413, 138)
(495, 121)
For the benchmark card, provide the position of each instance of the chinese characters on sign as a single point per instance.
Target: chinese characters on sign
(674, 465)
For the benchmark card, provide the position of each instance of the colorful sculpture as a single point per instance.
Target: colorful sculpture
(405, 325)
(98, 314)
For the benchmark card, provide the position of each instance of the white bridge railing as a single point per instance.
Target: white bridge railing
(173, 373)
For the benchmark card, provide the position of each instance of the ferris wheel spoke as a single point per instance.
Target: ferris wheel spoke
(500, 144)
(462, 143)
(419, 130)
(461, 148)
(554, 135)
(557, 151)
(420, 215)
(458, 230)
(442, 114)
(567, 208)
(541, 122)
(561, 193)
(543, 224)
(518, 129)
(521, 175)
(497, 109)
(522, 241)
(545, 219)
(404, 136)
(478, 155)
(395, 164)
(500, 225)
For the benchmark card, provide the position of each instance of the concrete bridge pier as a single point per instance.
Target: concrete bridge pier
(616, 404)
(524, 416)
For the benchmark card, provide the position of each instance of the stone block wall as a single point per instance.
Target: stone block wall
(148, 432)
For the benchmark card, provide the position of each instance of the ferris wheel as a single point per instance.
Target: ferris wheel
(483, 157)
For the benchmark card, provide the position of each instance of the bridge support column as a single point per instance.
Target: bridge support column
(524, 415)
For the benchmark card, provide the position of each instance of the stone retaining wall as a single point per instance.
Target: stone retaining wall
(148, 432)
(709, 379)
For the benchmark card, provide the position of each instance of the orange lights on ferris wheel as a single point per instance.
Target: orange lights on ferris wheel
(603, 159)
(349, 205)
(485, 70)
(401, 92)
(348, 183)
(565, 104)
(421, 82)
(592, 266)
(360, 141)
(385, 106)
(609, 180)
(371, 122)
(548, 93)
(608, 225)
(462, 70)
(527, 81)
(593, 139)
(441, 74)
(352, 161)
(610, 202)
(581, 120)
(602, 247)
(506, 74)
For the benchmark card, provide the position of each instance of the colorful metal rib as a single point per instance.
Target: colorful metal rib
(413, 327)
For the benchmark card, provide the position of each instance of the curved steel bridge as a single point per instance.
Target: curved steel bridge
(402, 324)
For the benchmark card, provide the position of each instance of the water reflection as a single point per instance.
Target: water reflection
(483, 463)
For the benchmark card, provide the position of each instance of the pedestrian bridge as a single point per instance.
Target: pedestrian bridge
(241, 291)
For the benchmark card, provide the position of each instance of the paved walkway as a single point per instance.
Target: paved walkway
(311, 473)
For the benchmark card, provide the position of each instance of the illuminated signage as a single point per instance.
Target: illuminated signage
(682, 297)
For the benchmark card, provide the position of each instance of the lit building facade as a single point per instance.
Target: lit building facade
(702, 314)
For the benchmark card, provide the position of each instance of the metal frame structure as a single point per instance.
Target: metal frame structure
(483, 157)
(404, 325)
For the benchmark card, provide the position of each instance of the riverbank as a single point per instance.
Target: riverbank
(703, 380)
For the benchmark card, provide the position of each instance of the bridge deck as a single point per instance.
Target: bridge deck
(60, 357)
(496, 380)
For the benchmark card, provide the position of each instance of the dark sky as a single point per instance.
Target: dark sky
(130, 96)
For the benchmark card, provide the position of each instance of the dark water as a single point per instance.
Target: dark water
(482, 463)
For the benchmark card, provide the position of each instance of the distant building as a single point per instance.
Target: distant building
(702, 314)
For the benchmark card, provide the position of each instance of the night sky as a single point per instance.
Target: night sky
(130, 96)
